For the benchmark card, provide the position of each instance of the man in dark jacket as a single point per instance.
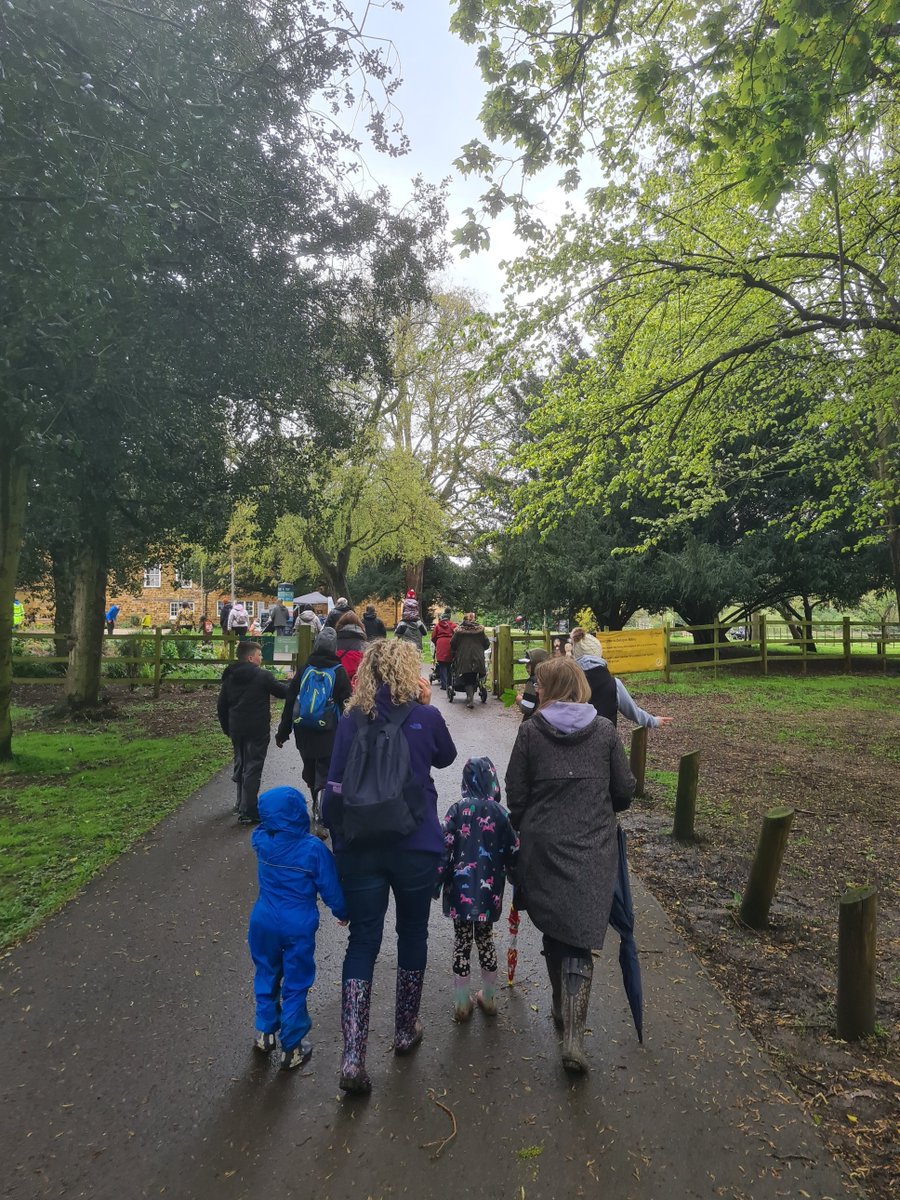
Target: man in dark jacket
(224, 614)
(315, 745)
(467, 646)
(373, 624)
(245, 716)
(342, 606)
(279, 618)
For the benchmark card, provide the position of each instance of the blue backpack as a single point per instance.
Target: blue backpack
(314, 707)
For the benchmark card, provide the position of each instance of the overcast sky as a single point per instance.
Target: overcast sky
(440, 99)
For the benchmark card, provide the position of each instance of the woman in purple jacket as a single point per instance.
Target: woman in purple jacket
(388, 678)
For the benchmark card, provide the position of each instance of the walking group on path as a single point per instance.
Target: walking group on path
(369, 738)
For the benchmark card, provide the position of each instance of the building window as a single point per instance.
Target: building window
(183, 583)
(153, 576)
(175, 607)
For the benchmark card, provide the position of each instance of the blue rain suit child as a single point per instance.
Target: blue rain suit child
(294, 867)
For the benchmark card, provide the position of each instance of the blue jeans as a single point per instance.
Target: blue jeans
(368, 877)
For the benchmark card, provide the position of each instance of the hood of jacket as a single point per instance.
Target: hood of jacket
(445, 628)
(467, 628)
(283, 810)
(321, 658)
(587, 662)
(383, 703)
(351, 637)
(566, 718)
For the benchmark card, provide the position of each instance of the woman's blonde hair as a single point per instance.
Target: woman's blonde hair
(395, 663)
(562, 679)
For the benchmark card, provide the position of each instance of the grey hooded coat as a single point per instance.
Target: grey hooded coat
(560, 789)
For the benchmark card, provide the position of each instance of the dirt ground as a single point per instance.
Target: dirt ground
(783, 981)
(179, 709)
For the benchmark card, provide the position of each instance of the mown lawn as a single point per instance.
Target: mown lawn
(76, 796)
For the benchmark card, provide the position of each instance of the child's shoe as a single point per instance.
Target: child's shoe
(264, 1042)
(295, 1057)
(462, 1001)
(487, 997)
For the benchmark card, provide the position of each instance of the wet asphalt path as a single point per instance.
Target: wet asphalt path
(127, 1071)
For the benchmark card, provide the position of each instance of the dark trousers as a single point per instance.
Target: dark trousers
(563, 949)
(249, 759)
(443, 670)
(315, 773)
(110, 627)
(368, 878)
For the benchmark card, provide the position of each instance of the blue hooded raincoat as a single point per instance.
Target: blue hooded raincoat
(294, 868)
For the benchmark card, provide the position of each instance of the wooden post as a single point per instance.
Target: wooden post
(639, 757)
(715, 647)
(667, 647)
(304, 644)
(766, 867)
(856, 964)
(157, 661)
(806, 632)
(884, 654)
(504, 659)
(548, 644)
(763, 644)
(686, 797)
(848, 647)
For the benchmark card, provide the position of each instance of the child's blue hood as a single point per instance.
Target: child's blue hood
(283, 810)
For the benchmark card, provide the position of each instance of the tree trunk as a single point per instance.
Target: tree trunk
(63, 571)
(414, 576)
(13, 494)
(790, 619)
(83, 676)
(811, 648)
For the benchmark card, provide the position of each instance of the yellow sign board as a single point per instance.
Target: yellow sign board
(634, 650)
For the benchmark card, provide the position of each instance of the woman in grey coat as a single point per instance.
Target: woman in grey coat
(567, 778)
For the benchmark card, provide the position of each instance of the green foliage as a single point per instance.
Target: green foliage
(93, 794)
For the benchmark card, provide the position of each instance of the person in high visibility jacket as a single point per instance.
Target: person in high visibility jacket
(18, 614)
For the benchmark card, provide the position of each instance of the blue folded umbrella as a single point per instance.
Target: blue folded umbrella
(622, 920)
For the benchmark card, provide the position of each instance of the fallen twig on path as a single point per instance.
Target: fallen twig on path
(447, 1140)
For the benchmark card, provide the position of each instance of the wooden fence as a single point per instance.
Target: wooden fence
(701, 647)
(156, 657)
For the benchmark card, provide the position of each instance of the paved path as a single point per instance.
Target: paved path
(127, 1072)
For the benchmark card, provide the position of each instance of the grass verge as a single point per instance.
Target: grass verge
(75, 797)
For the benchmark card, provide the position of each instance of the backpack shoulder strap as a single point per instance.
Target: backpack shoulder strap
(398, 715)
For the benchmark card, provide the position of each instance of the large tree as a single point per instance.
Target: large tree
(186, 261)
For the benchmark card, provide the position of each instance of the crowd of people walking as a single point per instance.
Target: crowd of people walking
(369, 738)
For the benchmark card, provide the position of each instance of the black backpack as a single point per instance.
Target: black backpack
(380, 800)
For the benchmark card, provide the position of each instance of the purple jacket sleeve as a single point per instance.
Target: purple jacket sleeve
(343, 739)
(444, 746)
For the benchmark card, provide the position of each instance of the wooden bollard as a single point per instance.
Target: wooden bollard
(638, 756)
(856, 964)
(686, 797)
(766, 867)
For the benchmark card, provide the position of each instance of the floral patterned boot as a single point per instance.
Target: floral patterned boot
(356, 995)
(407, 1026)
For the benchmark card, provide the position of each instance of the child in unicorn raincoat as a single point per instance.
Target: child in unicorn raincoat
(294, 867)
(481, 848)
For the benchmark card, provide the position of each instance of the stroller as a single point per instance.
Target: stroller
(454, 685)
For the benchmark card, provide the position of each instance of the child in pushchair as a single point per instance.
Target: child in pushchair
(465, 681)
